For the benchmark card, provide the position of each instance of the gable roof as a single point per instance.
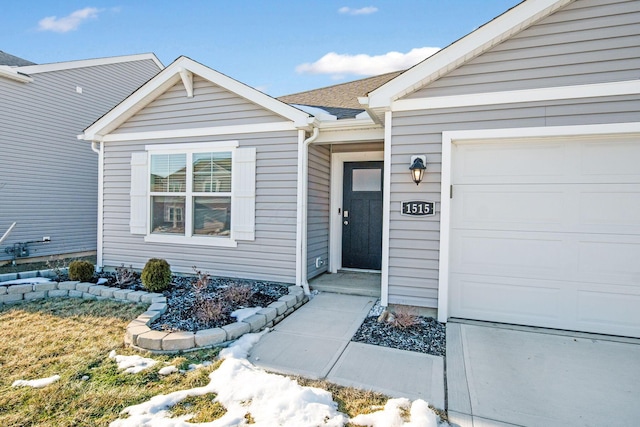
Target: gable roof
(461, 51)
(183, 69)
(13, 61)
(340, 96)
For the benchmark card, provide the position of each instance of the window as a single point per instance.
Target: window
(194, 193)
(191, 185)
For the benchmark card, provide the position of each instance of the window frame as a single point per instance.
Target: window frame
(189, 237)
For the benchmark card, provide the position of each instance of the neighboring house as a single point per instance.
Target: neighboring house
(49, 179)
(530, 126)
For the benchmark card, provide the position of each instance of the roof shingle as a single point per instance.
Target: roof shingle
(344, 95)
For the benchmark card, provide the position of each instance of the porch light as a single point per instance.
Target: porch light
(417, 168)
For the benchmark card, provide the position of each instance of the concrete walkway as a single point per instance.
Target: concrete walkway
(315, 342)
(505, 376)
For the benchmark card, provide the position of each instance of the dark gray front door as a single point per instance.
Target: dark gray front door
(362, 215)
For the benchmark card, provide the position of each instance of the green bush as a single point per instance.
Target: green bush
(81, 270)
(156, 275)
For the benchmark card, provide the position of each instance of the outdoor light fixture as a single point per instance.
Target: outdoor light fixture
(417, 168)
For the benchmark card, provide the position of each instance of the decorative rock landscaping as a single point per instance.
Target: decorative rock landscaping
(138, 334)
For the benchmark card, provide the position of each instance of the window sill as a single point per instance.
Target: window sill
(223, 242)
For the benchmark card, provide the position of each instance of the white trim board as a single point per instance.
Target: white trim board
(335, 223)
(454, 137)
(195, 132)
(630, 87)
(69, 65)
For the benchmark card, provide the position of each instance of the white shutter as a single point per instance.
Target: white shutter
(243, 215)
(138, 214)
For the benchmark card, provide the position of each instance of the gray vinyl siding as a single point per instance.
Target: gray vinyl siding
(318, 212)
(271, 256)
(210, 106)
(588, 41)
(414, 242)
(48, 178)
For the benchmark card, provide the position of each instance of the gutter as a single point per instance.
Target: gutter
(303, 206)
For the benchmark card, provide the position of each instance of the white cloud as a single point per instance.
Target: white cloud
(68, 23)
(365, 65)
(362, 11)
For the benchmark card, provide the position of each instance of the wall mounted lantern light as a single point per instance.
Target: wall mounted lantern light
(417, 168)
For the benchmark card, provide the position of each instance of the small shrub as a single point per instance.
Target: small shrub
(404, 318)
(236, 294)
(125, 275)
(81, 270)
(210, 310)
(202, 281)
(156, 275)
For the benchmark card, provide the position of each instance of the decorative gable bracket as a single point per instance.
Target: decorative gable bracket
(187, 81)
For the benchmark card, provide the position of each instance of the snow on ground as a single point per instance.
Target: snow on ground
(102, 281)
(167, 370)
(29, 281)
(242, 313)
(132, 364)
(42, 382)
(271, 399)
(391, 416)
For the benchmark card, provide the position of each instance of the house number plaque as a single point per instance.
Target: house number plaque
(416, 208)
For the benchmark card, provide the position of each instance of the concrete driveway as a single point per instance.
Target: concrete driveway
(500, 376)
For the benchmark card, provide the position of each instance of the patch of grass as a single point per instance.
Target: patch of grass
(72, 338)
(351, 401)
(203, 407)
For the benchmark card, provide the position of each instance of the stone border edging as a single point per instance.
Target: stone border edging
(138, 334)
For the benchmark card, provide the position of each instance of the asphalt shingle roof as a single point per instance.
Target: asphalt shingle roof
(13, 61)
(340, 96)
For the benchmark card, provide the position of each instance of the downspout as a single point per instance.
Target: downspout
(304, 205)
(100, 152)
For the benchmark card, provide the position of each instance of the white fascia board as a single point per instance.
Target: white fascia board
(195, 132)
(461, 51)
(541, 132)
(631, 87)
(69, 65)
(12, 74)
(285, 110)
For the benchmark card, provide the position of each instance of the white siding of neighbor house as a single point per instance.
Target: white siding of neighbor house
(272, 256)
(210, 106)
(318, 212)
(48, 178)
(586, 42)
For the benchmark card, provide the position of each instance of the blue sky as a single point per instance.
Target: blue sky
(277, 46)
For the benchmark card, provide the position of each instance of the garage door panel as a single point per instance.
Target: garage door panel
(613, 259)
(498, 162)
(613, 160)
(613, 208)
(571, 208)
(510, 254)
(503, 207)
(601, 160)
(600, 310)
(506, 299)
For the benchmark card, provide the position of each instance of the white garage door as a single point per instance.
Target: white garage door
(547, 233)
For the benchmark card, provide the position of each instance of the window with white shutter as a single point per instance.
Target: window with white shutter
(201, 193)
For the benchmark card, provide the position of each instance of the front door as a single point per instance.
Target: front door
(362, 215)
